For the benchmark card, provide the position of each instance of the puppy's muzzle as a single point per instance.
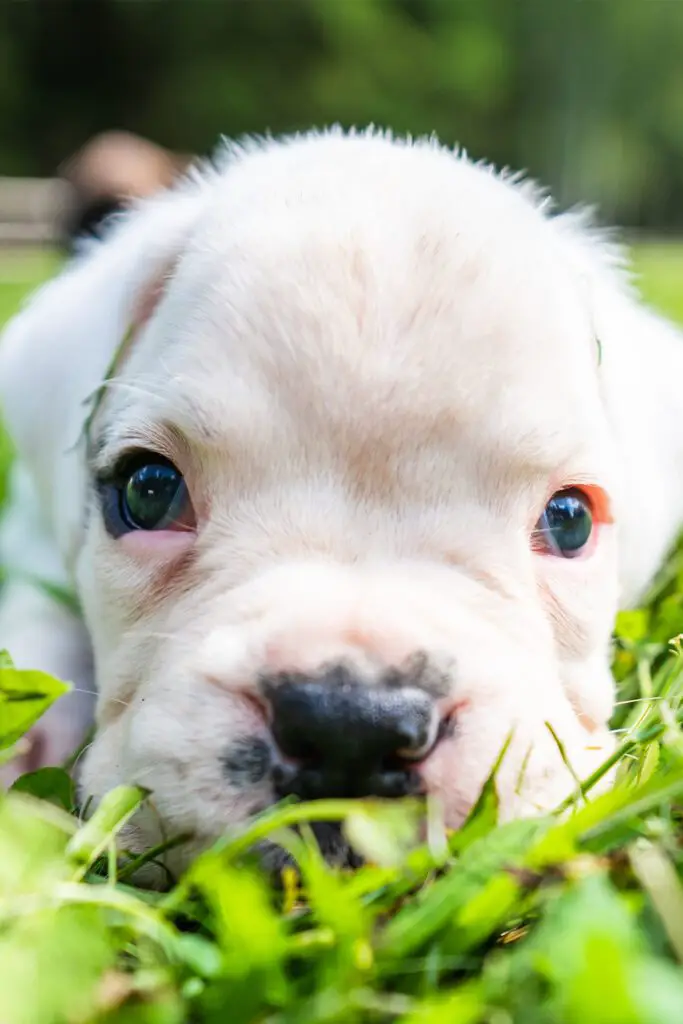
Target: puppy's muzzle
(337, 736)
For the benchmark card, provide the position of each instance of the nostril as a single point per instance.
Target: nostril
(417, 727)
(297, 746)
(410, 735)
(283, 777)
(394, 782)
(414, 739)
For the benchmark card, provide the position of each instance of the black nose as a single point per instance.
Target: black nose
(341, 737)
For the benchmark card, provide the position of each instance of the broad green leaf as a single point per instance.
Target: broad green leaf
(33, 838)
(51, 784)
(51, 962)
(25, 695)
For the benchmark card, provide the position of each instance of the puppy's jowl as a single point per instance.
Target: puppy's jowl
(385, 446)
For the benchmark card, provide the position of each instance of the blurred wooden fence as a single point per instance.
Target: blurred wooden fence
(30, 209)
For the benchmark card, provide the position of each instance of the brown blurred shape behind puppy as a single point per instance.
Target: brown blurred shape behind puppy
(112, 169)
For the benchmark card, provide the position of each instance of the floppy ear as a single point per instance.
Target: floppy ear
(56, 352)
(641, 375)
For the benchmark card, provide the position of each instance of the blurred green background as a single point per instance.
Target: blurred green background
(585, 94)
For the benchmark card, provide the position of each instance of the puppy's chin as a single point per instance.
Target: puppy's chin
(332, 843)
(142, 833)
(547, 787)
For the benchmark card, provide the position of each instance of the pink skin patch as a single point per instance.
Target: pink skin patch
(157, 544)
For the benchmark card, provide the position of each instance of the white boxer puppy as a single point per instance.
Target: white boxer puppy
(383, 447)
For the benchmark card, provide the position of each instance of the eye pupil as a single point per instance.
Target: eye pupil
(149, 496)
(567, 523)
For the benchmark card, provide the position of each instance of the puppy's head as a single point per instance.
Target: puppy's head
(343, 521)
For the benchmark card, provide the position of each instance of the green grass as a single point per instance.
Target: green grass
(21, 270)
(659, 271)
(574, 918)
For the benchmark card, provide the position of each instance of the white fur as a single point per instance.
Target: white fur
(374, 361)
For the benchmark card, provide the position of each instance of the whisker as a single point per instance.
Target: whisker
(72, 773)
(161, 636)
(638, 700)
(95, 693)
(136, 387)
(146, 772)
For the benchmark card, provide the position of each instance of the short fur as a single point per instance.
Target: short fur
(374, 361)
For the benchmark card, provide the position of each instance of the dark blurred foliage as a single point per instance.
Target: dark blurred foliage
(585, 94)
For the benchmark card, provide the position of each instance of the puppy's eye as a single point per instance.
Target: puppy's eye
(151, 495)
(566, 525)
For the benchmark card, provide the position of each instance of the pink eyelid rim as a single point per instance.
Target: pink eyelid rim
(157, 542)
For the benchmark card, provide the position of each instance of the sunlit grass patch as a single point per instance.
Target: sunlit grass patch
(659, 273)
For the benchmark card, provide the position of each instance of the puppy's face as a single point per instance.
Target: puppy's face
(351, 517)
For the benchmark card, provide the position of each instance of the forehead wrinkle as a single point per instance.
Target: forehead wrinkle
(375, 446)
(541, 451)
